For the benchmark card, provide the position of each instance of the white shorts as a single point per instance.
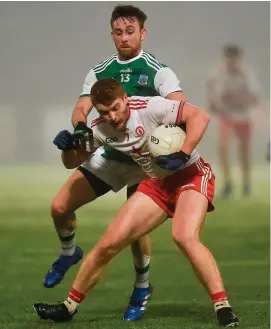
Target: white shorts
(114, 173)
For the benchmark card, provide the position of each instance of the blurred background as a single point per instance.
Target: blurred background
(46, 50)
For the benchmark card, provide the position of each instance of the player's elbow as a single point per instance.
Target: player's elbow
(68, 165)
(194, 114)
(70, 159)
(204, 116)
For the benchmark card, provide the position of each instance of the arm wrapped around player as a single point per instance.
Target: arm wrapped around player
(71, 157)
(83, 137)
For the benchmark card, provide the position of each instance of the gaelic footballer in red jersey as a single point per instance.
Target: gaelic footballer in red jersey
(184, 191)
(232, 91)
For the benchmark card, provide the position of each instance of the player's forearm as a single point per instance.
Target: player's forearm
(72, 159)
(196, 126)
(81, 110)
(78, 115)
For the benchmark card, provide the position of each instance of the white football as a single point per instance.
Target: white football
(166, 139)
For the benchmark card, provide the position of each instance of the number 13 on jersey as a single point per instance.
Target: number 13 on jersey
(125, 77)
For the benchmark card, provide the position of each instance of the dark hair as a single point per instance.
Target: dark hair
(128, 11)
(106, 91)
(232, 51)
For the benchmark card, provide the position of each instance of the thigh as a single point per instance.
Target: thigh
(75, 192)
(98, 185)
(190, 213)
(138, 216)
(224, 131)
(243, 131)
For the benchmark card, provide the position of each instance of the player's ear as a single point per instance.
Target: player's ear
(143, 34)
(125, 97)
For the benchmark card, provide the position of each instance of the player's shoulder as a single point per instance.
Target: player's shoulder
(140, 103)
(139, 98)
(156, 100)
(97, 123)
(152, 61)
(217, 71)
(104, 64)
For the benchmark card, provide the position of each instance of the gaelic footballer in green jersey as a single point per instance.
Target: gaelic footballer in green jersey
(140, 76)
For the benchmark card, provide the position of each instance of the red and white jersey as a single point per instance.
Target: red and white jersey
(230, 92)
(146, 113)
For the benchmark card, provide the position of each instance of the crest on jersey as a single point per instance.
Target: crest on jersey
(143, 79)
(140, 131)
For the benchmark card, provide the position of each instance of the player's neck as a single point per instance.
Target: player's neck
(124, 59)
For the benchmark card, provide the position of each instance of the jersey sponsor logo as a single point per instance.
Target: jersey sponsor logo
(143, 79)
(140, 131)
(110, 140)
(126, 71)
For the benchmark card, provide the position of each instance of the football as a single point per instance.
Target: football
(166, 139)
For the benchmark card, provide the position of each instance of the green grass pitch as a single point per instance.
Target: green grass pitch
(237, 233)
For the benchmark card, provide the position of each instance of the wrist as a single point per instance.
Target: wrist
(68, 149)
(186, 149)
(80, 125)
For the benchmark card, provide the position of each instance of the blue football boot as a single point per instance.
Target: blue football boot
(138, 303)
(60, 267)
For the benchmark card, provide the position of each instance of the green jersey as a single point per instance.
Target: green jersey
(142, 75)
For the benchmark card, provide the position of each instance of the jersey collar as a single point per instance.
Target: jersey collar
(130, 60)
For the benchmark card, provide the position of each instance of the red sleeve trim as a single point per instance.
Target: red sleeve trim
(179, 114)
(97, 122)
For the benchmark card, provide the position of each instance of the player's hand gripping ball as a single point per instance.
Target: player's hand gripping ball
(165, 144)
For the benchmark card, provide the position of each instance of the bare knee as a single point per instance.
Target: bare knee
(58, 209)
(185, 240)
(107, 249)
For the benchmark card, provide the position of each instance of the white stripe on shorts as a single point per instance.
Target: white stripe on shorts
(205, 178)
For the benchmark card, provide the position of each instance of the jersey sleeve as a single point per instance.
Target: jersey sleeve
(89, 82)
(165, 111)
(97, 140)
(166, 82)
(252, 82)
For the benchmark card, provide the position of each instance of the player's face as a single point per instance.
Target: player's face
(117, 113)
(127, 36)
